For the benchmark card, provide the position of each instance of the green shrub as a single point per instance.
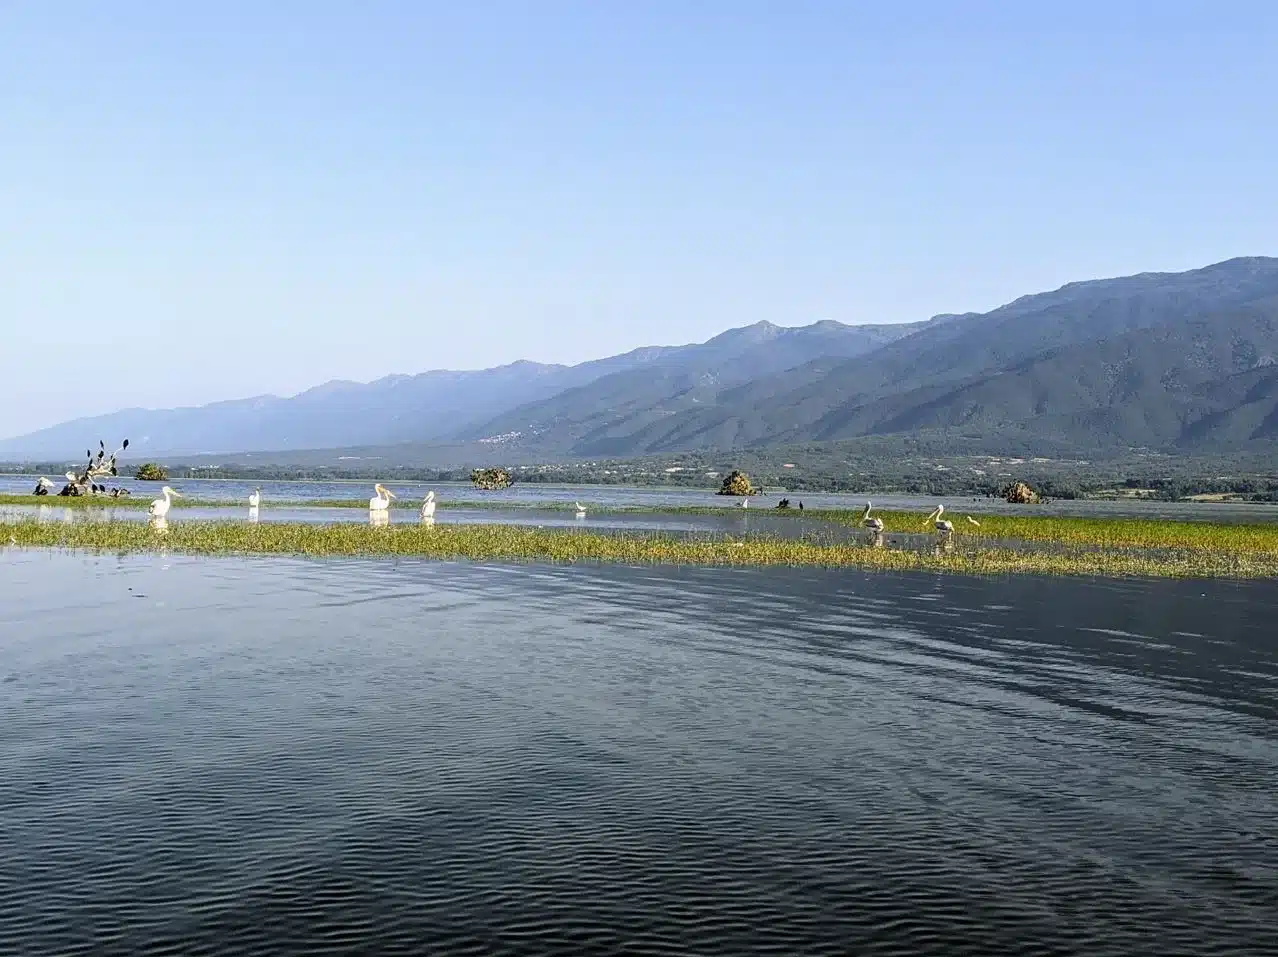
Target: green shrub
(738, 483)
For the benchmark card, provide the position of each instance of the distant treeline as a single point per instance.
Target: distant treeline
(1164, 478)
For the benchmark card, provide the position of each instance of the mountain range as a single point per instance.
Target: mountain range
(1167, 361)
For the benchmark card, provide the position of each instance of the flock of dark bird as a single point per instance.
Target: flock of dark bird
(86, 481)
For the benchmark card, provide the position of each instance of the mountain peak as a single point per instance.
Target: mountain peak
(1091, 362)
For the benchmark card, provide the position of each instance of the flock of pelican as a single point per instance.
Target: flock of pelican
(943, 526)
(379, 506)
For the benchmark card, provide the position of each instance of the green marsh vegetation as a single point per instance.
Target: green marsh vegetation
(525, 544)
(1149, 533)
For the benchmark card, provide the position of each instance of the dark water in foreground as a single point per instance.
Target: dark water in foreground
(289, 757)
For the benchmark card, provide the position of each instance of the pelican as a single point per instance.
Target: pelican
(581, 509)
(745, 503)
(944, 526)
(428, 505)
(255, 498)
(381, 501)
(43, 486)
(160, 507)
(873, 524)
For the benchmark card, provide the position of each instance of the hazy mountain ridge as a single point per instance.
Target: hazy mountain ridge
(972, 373)
(1160, 360)
(430, 406)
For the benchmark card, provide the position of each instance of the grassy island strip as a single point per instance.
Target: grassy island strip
(1119, 533)
(516, 543)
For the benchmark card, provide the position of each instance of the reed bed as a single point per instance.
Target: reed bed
(523, 544)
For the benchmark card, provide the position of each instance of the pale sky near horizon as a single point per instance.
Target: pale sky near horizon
(208, 201)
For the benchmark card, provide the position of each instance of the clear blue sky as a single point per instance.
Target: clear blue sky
(205, 201)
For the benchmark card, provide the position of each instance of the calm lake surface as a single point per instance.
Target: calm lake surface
(278, 756)
(607, 496)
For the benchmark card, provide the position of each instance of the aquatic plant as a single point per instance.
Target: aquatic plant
(521, 543)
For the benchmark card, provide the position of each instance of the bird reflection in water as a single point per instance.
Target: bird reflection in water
(378, 518)
(160, 524)
(253, 514)
(876, 540)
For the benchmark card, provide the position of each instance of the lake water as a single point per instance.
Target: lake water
(737, 522)
(607, 496)
(279, 756)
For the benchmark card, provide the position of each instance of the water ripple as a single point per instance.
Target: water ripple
(320, 757)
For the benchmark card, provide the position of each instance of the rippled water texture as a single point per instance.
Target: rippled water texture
(289, 757)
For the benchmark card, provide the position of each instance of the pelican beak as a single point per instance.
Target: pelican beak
(390, 494)
(177, 495)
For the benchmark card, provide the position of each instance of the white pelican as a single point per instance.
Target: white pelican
(381, 501)
(745, 503)
(428, 505)
(255, 498)
(160, 507)
(873, 524)
(43, 486)
(581, 509)
(944, 526)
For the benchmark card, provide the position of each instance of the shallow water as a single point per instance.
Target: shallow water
(740, 522)
(280, 756)
(600, 496)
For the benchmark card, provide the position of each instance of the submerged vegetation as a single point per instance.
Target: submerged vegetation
(522, 543)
